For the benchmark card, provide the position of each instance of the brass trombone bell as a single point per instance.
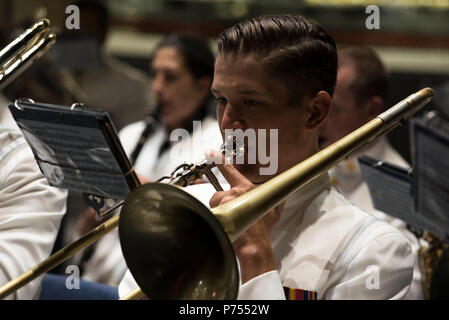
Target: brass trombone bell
(166, 228)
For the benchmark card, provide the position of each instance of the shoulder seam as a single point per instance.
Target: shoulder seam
(15, 144)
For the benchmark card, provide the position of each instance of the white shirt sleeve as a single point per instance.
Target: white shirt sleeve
(266, 286)
(30, 215)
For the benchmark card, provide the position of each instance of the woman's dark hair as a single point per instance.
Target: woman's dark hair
(198, 57)
(295, 51)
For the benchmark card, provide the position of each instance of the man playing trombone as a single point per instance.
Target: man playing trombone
(279, 72)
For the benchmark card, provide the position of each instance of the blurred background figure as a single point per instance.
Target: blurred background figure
(78, 69)
(181, 75)
(6, 119)
(101, 81)
(90, 76)
(360, 95)
(30, 209)
(30, 213)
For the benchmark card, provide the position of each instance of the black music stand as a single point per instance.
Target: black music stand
(76, 149)
(419, 197)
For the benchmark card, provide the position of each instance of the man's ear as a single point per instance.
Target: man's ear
(318, 109)
(373, 107)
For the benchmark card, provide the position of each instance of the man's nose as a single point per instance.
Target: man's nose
(157, 85)
(232, 119)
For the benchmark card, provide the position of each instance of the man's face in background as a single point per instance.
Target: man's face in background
(345, 115)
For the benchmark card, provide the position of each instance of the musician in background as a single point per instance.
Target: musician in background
(181, 75)
(30, 210)
(6, 119)
(360, 95)
(107, 84)
(279, 72)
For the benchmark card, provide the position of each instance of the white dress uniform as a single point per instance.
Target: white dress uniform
(30, 212)
(107, 264)
(6, 119)
(325, 245)
(347, 178)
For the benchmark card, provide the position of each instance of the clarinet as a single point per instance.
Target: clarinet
(151, 120)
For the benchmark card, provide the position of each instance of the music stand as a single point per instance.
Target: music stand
(76, 149)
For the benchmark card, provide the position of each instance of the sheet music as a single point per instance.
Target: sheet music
(75, 149)
(391, 191)
(431, 160)
(423, 199)
(104, 184)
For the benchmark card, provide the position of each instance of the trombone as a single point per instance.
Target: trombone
(163, 229)
(20, 53)
(176, 225)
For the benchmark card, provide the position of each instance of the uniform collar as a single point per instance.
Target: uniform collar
(346, 176)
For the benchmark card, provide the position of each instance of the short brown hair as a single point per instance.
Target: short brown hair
(298, 52)
(371, 77)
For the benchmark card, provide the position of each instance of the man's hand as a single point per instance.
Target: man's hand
(253, 247)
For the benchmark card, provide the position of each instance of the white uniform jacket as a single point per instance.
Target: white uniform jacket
(30, 212)
(347, 178)
(325, 245)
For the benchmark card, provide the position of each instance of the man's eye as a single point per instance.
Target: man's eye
(170, 77)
